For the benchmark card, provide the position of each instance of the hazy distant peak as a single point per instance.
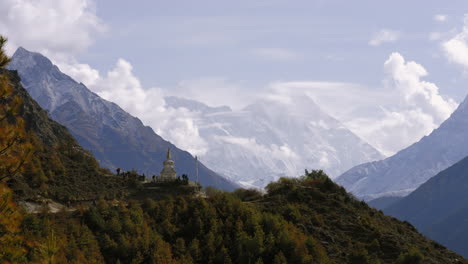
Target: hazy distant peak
(192, 105)
(275, 136)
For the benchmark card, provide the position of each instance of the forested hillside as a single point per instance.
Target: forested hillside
(307, 220)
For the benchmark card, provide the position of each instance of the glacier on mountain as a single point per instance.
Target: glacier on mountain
(273, 138)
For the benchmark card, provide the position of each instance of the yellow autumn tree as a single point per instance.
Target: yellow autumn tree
(13, 153)
(12, 245)
(14, 148)
(4, 59)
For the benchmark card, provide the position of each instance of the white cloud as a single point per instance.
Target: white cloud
(456, 48)
(420, 108)
(176, 125)
(440, 18)
(215, 91)
(406, 78)
(122, 87)
(384, 36)
(78, 71)
(276, 54)
(389, 118)
(49, 26)
(61, 29)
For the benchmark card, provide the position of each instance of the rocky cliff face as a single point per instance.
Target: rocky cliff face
(117, 139)
(403, 172)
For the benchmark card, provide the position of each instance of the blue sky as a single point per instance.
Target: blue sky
(169, 41)
(391, 71)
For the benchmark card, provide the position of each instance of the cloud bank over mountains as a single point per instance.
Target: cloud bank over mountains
(121, 86)
(390, 117)
(405, 109)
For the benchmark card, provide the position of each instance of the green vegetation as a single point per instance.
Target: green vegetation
(305, 220)
(12, 244)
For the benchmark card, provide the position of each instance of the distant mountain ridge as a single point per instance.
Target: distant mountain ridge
(116, 138)
(439, 207)
(270, 139)
(403, 172)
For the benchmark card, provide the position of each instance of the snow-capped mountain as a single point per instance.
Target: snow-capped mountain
(403, 172)
(272, 138)
(116, 138)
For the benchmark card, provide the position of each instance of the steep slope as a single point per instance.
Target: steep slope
(270, 139)
(439, 207)
(403, 172)
(54, 166)
(117, 139)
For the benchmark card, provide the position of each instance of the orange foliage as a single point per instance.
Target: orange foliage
(14, 146)
(12, 244)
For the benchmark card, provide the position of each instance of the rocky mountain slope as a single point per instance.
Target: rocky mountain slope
(270, 138)
(403, 172)
(52, 165)
(117, 139)
(439, 208)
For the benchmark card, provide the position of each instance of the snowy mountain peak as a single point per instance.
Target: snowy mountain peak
(276, 137)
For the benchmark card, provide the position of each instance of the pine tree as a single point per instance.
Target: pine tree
(12, 156)
(11, 242)
(4, 59)
(14, 147)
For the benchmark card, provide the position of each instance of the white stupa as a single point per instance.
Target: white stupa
(168, 173)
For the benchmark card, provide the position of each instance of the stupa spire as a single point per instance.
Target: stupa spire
(168, 154)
